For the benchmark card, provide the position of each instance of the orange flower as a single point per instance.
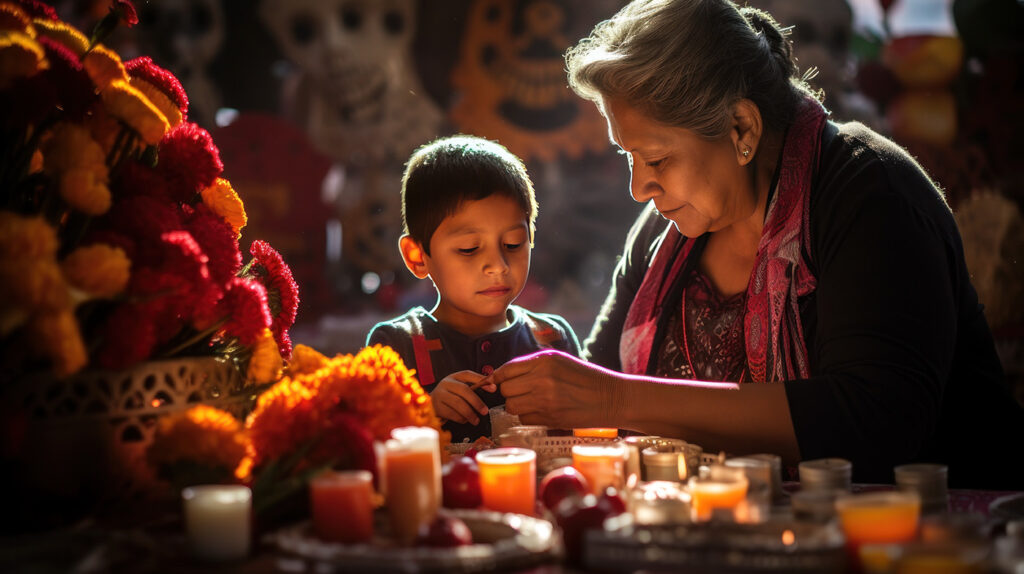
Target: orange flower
(26, 237)
(374, 386)
(265, 364)
(67, 35)
(58, 334)
(99, 270)
(159, 99)
(306, 360)
(78, 161)
(104, 66)
(14, 18)
(20, 56)
(222, 199)
(133, 108)
(201, 435)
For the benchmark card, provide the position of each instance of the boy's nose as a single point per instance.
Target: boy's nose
(496, 263)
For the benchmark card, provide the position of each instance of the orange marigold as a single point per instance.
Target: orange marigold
(133, 108)
(104, 66)
(202, 435)
(99, 270)
(14, 18)
(306, 360)
(159, 99)
(222, 199)
(78, 161)
(265, 364)
(20, 56)
(26, 237)
(58, 334)
(67, 35)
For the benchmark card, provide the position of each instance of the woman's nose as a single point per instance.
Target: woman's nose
(641, 186)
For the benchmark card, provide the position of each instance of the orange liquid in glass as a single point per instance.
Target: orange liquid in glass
(707, 495)
(595, 433)
(508, 479)
(413, 479)
(342, 506)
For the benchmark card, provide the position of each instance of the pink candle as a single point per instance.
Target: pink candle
(412, 478)
(508, 479)
(342, 505)
(602, 463)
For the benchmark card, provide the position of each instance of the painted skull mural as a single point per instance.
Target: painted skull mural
(356, 89)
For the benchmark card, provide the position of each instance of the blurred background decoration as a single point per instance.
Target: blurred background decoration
(317, 104)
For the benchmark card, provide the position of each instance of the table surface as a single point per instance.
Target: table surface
(150, 539)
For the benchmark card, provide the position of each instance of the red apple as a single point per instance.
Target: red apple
(460, 483)
(575, 516)
(560, 483)
(471, 453)
(612, 500)
(445, 531)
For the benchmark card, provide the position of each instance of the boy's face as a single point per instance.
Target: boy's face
(479, 261)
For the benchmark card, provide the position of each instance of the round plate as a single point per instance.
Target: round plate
(501, 540)
(1009, 507)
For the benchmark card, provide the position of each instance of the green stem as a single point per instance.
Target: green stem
(194, 339)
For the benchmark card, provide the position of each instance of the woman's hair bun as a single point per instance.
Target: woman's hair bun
(775, 38)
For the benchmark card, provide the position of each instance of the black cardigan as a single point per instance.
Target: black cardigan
(903, 364)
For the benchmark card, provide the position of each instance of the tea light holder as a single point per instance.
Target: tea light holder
(602, 464)
(523, 436)
(874, 518)
(929, 481)
(660, 502)
(634, 457)
(826, 474)
(508, 479)
(342, 505)
(607, 433)
(721, 489)
(218, 521)
(775, 461)
(815, 505)
(676, 461)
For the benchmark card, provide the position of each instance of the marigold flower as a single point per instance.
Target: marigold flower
(58, 334)
(99, 270)
(202, 435)
(38, 9)
(189, 160)
(161, 101)
(143, 69)
(265, 364)
(14, 18)
(26, 237)
(104, 66)
(20, 56)
(306, 360)
(222, 199)
(78, 161)
(66, 34)
(133, 108)
(33, 284)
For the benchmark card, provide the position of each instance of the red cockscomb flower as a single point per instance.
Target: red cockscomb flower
(163, 80)
(129, 336)
(282, 292)
(218, 241)
(246, 305)
(189, 160)
(137, 179)
(125, 12)
(144, 219)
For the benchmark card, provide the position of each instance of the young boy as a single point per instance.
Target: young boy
(468, 211)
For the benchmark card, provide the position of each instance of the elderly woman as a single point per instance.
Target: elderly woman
(795, 285)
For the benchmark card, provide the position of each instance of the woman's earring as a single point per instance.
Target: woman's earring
(746, 152)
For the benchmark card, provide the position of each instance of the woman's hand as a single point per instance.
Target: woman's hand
(556, 389)
(455, 397)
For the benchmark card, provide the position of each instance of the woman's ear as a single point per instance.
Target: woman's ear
(747, 129)
(414, 257)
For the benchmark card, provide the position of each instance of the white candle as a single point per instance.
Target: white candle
(218, 521)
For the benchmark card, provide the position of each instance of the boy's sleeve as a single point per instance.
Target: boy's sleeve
(379, 335)
(568, 343)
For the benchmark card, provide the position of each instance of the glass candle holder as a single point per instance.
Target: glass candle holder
(825, 474)
(775, 461)
(501, 421)
(875, 518)
(412, 480)
(342, 505)
(595, 433)
(635, 446)
(929, 481)
(508, 479)
(602, 464)
(722, 488)
(676, 460)
(659, 502)
(218, 521)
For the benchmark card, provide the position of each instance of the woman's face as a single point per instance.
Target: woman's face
(698, 185)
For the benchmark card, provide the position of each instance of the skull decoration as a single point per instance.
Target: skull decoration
(188, 34)
(357, 91)
(512, 79)
(821, 38)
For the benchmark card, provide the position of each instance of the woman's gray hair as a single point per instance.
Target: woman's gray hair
(685, 63)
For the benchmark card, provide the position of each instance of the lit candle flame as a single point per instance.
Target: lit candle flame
(683, 471)
(788, 538)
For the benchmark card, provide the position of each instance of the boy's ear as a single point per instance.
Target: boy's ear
(414, 257)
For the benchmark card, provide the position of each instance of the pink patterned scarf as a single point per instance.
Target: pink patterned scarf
(772, 328)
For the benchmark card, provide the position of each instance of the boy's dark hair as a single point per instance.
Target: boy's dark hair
(446, 172)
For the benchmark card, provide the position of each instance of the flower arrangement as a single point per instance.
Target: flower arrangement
(119, 237)
(325, 413)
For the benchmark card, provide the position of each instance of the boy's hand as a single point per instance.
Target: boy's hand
(455, 400)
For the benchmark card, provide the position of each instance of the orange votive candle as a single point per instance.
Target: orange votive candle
(412, 479)
(878, 517)
(601, 463)
(726, 488)
(595, 433)
(342, 505)
(508, 479)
